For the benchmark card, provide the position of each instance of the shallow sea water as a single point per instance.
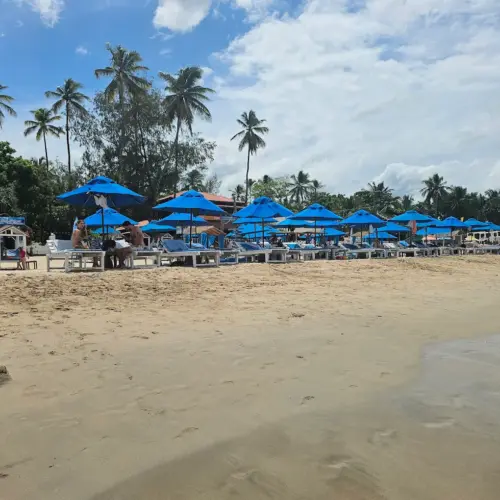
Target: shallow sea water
(437, 438)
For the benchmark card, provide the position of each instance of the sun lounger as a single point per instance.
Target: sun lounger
(75, 259)
(177, 249)
(145, 254)
(356, 251)
(297, 252)
(253, 251)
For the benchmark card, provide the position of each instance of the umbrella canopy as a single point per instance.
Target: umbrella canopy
(191, 202)
(485, 226)
(250, 229)
(390, 227)
(451, 223)
(290, 223)
(253, 220)
(154, 227)
(111, 218)
(474, 223)
(116, 195)
(330, 223)
(411, 215)
(316, 212)
(182, 219)
(263, 207)
(429, 231)
(333, 232)
(381, 235)
(363, 218)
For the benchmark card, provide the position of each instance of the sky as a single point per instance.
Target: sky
(353, 91)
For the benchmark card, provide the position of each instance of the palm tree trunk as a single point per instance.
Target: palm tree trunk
(246, 178)
(176, 167)
(67, 145)
(46, 152)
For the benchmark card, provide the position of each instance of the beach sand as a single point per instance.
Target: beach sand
(357, 380)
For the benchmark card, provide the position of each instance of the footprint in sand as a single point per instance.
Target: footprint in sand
(187, 430)
(440, 424)
(383, 437)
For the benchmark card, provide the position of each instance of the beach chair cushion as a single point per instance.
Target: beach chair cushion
(175, 246)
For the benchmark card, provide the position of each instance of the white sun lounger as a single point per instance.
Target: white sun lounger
(75, 259)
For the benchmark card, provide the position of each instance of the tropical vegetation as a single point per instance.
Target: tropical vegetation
(144, 135)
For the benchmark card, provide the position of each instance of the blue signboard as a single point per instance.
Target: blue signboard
(12, 221)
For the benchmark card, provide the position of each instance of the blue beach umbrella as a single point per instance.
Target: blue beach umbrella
(253, 220)
(451, 223)
(363, 218)
(333, 232)
(261, 208)
(104, 192)
(193, 203)
(318, 214)
(411, 215)
(390, 227)
(474, 223)
(290, 223)
(111, 218)
(432, 231)
(182, 220)
(154, 227)
(380, 235)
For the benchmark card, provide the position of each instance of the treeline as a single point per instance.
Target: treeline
(436, 198)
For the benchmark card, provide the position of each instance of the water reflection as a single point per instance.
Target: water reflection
(436, 439)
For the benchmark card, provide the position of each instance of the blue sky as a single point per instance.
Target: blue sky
(353, 90)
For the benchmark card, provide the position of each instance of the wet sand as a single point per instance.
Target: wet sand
(346, 380)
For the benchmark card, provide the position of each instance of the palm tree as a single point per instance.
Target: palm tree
(236, 194)
(194, 180)
(457, 199)
(407, 202)
(301, 186)
(70, 97)
(184, 101)
(123, 69)
(42, 125)
(434, 190)
(250, 139)
(5, 100)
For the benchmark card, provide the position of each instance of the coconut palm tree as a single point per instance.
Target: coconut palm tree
(5, 107)
(237, 194)
(43, 126)
(301, 186)
(123, 69)
(69, 97)
(250, 139)
(407, 202)
(194, 180)
(185, 99)
(434, 190)
(457, 199)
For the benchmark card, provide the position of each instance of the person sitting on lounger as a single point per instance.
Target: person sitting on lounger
(79, 235)
(135, 235)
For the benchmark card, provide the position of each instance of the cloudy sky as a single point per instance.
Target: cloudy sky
(353, 90)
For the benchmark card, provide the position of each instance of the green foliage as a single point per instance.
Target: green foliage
(250, 138)
(5, 107)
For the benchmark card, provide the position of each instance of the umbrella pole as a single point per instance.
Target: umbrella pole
(191, 229)
(315, 222)
(263, 244)
(103, 229)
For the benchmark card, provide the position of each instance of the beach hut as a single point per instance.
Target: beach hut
(11, 239)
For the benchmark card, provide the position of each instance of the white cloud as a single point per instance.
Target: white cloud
(394, 91)
(49, 10)
(165, 52)
(82, 51)
(180, 15)
(184, 15)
